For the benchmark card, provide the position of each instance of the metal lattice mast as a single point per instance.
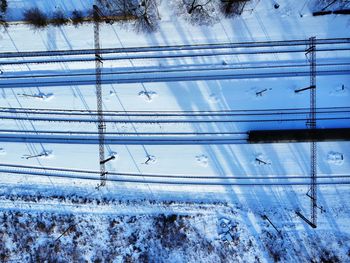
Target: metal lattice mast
(310, 53)
(101, 122)
(313, 146)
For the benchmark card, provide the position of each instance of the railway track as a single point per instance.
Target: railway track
(121, 71)
(208, 113)
(164, 135)
(186, 72)
(176, 48)
(167, 121)
(86, 175)
(166, 56)
(168, 112)
(213, 74)
(124, 140)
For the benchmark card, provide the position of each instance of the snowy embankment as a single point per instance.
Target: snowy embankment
(163, 232)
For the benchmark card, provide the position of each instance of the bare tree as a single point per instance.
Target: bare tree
(118, 7)
(36, 18)
(3, 6)
(143, 14)
(198, 12)
(77, 17)
(59, 19)
(231, 8)
(3, 10)
(146, 16)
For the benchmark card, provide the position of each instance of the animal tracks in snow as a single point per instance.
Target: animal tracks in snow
(202, 160)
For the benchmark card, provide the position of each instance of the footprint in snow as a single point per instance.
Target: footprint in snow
(202, 160)
(213, 98)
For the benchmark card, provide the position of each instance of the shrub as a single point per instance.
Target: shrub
(146, 17)
(197, 12)
(35, 17)
(59, 19)
(231, 8)
(3, 6)
(4, 24)
(77, 17)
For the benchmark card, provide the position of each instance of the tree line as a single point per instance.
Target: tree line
(143, 15)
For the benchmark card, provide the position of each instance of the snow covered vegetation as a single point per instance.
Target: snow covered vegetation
(160, 237)
(174, 131)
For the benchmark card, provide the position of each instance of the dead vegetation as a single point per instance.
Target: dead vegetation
(59, 19)
(36, 18)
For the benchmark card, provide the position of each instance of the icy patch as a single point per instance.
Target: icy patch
(340, 90)
(148, 95)
(2, 151)
(213, 98)
(39, 96)
(150, 159)
(202, 160)
(260, 160)
(42, 155)
(335, 158)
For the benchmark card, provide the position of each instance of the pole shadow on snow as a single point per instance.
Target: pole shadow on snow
(192, 90)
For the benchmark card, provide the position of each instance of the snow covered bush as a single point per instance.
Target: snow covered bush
(59, 19)
(3, 6)
(142, 15)
(77, 17)
(36, 18)
(231, 8)
(208, 12)
(146, 16)
(197, 12)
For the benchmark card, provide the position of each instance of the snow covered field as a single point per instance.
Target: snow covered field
(177, 114)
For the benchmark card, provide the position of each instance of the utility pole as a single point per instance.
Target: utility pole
(101, 122)
(311, 123)
(313, 145)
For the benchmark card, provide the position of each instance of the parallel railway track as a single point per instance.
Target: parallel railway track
(166, 56)
(177, 48)
(136, 73)
(135, 77)
(163, 179)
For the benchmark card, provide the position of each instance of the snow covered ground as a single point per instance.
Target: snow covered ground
(143, 231)
(229, 173)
